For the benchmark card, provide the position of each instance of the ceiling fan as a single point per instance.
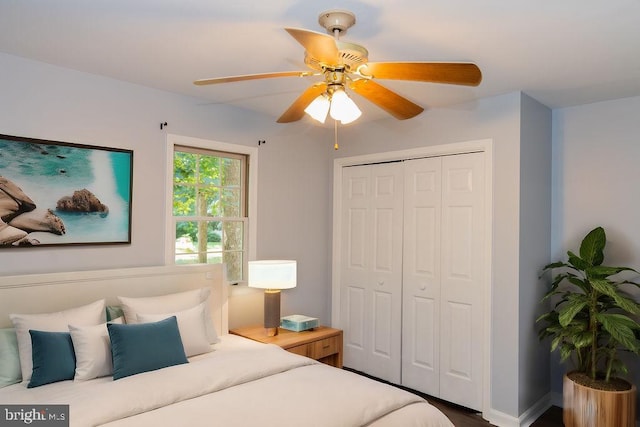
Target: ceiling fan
(345, 65)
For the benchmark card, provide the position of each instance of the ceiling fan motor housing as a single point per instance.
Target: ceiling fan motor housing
(350, 57)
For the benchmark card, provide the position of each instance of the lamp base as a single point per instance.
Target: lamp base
(271, 311)
(271, 332)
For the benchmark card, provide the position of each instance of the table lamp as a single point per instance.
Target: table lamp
(272, 275)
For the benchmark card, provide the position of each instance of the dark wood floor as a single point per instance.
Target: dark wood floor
(464, 417)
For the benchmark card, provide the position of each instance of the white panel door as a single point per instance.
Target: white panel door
(421, 276)
(462, 280)
(371, 268)
(355, 263)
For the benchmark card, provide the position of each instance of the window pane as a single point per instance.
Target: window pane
(210, 170)
(184, 201)
(231, 172)
(231, 202)
(186, 236)
(233, 236)
(214, 257)
(186, 259)
(184, 167)
(214, 235)
(210, 201)
(234, 266)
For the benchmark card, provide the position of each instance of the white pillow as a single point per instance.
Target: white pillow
(92, 347)
(191, 324)
(90, 314)
(169, 304)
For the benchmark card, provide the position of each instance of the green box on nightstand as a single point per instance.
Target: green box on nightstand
(298, 322)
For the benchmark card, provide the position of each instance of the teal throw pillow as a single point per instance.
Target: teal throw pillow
(143, 347)
(53, 357)
(9, 358)
(113, 312)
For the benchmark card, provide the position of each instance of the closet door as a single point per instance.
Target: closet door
(421, 275)
(371, 268)
(462, 279)
(442, 350)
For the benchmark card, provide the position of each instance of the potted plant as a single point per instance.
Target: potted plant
(591, 321)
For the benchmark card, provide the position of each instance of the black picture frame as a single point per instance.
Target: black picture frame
(55, 193)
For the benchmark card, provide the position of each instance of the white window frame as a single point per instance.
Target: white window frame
(252, 189)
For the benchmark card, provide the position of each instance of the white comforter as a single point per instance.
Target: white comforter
(241, 383)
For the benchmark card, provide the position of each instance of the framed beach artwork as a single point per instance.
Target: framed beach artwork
(59, 193)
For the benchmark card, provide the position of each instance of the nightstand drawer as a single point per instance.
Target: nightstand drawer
(302, 350)
(318, 349)
(324, 348)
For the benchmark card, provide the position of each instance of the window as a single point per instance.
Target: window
(210, 196)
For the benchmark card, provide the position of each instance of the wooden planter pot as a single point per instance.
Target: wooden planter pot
(589, 407)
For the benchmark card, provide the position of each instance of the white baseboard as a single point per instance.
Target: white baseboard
(533, 413)
(500, 419)
(527, 418)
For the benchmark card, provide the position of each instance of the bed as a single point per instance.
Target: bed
(232, 382)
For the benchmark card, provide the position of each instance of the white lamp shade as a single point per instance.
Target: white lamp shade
(272, 274)
(318, 108)
(343, 108)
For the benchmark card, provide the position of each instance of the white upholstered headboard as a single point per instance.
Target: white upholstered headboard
(43, 293)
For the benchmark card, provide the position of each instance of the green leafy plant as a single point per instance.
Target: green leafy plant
(592, 319)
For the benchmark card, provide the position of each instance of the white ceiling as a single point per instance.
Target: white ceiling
(561, 52)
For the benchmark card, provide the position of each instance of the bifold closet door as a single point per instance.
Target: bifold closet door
(443, 291)
(462, 287)
(371, 268)
(421, 275)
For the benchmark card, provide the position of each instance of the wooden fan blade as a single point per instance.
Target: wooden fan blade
(245, 77)
(320, 46)
(296, 111)
(437, 72)
(394, 104)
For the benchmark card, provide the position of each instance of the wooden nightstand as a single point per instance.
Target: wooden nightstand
(323, 344)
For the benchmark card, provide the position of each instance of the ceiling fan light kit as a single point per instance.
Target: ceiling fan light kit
(342, 107)
(336, 103)
(319, 108)
(346, 65)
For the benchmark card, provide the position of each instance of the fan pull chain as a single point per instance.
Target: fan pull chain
(335, 134)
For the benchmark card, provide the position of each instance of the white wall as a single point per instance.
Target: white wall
(47, 102)
(596, 182)
(294, 215)
(535, 247)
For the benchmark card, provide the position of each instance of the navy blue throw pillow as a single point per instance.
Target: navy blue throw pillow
(53, 357)
(143, 347)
